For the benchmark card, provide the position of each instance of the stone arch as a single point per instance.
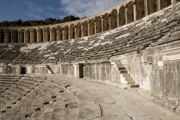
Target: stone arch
(98, 24)
(91, 27)
(165, 3)
(7, 36)
(21, 36)
(140, 9)
(33, 34)
(72, 31)
(114, 19)
(106, 22)
(130, 14)
(59, 33)
(46, 35)
(14, 36)
(152, 6)
(39, 35)
(53, 34)
(122, 16)
(66, 32)
(1, 36)
(78, 30)
(85, 28)
(27, 36)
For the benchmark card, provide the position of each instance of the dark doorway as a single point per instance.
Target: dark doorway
(23, 70)
(81, 71)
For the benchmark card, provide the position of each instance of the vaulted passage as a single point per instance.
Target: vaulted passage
(130, 15)
(33, 37)
(53, 34)
(81, 70)
(66, 33)
(152, 6)
(91, 27)
(85, 28)
(59, 33)
(14, 36)
(40, 35)
(78, 30)
(21, 36)
(140, 9)
(72, 31)
(98, 24)
(122, 16)
(46, 35)
(114, 19)
(27, 36)
(106, 22)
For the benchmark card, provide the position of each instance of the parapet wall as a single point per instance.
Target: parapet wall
(124, 13)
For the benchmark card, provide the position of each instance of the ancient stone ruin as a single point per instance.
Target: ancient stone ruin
(122, 64)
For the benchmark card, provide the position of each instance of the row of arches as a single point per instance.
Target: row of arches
(132, 11)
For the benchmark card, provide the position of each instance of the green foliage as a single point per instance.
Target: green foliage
(48, 21)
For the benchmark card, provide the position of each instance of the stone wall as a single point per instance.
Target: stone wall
(124, 13)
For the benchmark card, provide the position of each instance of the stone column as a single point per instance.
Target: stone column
(75, 36)
(82, 31)
(102, 25)
(146, 7)
(109, 18)
(158, 5)
(126, 16)
(95, 26)
(134, 11)
(88, 34)
(118, 17)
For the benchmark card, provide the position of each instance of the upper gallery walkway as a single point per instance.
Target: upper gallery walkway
(98, 101)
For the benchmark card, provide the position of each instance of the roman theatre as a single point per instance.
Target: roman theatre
(121, 64)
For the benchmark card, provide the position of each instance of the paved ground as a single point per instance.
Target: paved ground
(98, 101)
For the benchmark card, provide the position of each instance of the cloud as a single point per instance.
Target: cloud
(84, 8)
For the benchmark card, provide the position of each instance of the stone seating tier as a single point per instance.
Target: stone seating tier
(157, 29)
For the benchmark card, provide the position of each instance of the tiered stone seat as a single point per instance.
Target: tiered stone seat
(35, 98)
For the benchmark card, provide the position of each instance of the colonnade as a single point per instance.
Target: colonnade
(123, 14)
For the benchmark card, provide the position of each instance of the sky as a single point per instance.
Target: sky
(41, 9)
